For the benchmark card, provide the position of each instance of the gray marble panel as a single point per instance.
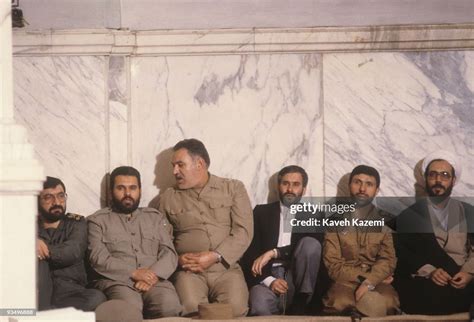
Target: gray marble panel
(390, 110)
(118, 100)
(255, 114)
(60, 101)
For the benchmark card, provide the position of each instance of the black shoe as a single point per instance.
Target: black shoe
(299, 305)
(471, 312)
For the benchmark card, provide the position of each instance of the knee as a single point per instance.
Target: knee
(117, 310)
(240, 307)
(344, 303)
(239, 302)
(170, 305)
(392, 304)
(189, 306)
(309, 247)
(338, 300)
(258, 304)
(93, 299)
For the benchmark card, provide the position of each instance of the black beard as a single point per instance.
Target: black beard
(361, 202)
(50, 217)
(118, 206)
(437, 199)
(287, 201)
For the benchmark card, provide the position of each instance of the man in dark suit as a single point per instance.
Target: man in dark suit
(281, 267)
(435, 245)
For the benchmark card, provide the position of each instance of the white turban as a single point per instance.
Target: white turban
(446, 156)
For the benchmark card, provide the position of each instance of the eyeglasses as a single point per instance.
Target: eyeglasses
(445, 175)
(62, 196)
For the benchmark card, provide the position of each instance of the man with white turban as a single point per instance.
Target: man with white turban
(435, 244)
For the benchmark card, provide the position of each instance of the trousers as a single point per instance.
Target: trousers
(301, 277)
(58, 292)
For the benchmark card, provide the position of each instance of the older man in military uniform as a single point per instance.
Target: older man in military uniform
(212, 221)
(131, 250)
(61, 246)
(361, 260)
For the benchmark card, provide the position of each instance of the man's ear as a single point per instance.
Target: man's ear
(454, 180)
(201, 163)
(304, 191)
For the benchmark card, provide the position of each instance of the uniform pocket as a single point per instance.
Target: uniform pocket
(116, 244)
(150, 242)
(221, 209)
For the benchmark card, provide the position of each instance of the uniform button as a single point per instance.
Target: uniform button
(133, 234)
(136, 250)
(139, 265)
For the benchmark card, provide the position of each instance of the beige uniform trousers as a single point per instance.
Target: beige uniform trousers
(227, 286)
(341, 298)
(160, 301)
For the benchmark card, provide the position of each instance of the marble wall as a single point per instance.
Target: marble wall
(256, 113)
(390, 110)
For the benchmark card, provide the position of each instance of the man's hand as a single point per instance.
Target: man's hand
(261, 261)
(142, 286)
(198, 262)
(279, 286)
(361, 290)
(42, 249)
(145, 275)
(185, 259)
(440, 277)
(460, 280)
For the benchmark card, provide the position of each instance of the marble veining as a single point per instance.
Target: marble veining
(118, 102)
(389, 110)
(86, 115)
(60, 100)
(254, 113)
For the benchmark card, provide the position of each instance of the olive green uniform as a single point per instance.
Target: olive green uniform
(216, 218)
(119, 244)
(351, 252)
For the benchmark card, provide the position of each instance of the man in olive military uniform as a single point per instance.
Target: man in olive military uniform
(213, 226)
(361, 260)
(61, 246)
(131, 251)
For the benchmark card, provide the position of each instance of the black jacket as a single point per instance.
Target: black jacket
(266, 219)
(416, 243)
(67, 246)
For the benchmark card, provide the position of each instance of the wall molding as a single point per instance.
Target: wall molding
(243, 41)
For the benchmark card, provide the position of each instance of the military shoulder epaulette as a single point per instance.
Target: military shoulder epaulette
(149, 209)
(74, 216)
(103, 211)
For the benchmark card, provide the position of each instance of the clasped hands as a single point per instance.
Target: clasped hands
(144, 279)
(440, 277)
(197, 262)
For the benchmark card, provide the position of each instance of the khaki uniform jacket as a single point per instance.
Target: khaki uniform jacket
(120, 244)
(350, 252)
(219, 218)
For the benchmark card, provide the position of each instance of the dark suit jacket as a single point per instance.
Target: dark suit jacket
(266, 219)
(416, 243)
